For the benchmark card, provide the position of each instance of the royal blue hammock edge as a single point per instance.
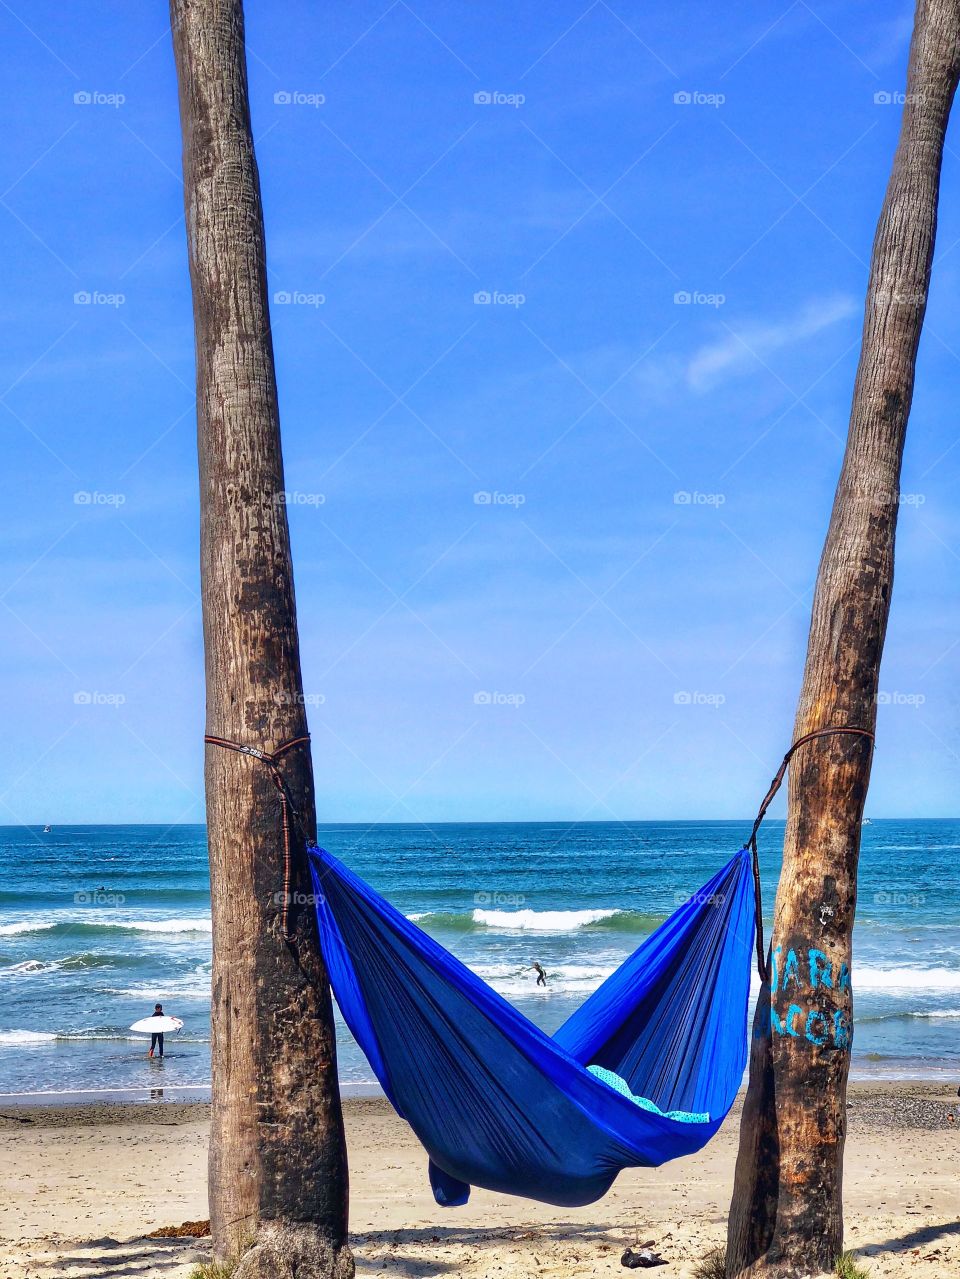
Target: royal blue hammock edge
(498, 1103)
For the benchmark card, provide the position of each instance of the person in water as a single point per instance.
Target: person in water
(541, 975)
(156, 1036)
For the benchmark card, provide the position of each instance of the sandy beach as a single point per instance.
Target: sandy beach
(83, 1185)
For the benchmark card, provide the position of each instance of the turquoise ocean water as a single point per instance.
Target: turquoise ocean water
(97, 923)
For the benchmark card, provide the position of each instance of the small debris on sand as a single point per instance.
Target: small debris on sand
(642, 1259)
(186, 1230)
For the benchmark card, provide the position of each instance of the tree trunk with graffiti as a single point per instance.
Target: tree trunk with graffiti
(278, 1177)
(786, 1216)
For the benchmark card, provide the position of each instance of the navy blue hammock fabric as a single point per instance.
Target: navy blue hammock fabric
(498, 1103)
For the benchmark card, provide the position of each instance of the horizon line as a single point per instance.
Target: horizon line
(467, 821)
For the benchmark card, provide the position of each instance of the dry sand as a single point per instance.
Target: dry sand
(82, 1185)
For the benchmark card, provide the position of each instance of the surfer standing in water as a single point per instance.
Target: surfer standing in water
(541, 975)
(156, 1036)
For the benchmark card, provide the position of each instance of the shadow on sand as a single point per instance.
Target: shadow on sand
(396, 1250)
(108, 1258)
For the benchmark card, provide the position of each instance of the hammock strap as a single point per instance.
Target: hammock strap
(287, 809)
(751, 843)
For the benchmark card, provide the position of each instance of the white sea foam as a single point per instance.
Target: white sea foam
(28, 1038)
(193, 985)
(165, 925)
(906, 978)
(515, 981)
(92, 919)
(31, 966)
(541, 921)
(876, 980)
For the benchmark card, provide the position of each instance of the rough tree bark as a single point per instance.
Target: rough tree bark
(786, 1215)
(278, 1179)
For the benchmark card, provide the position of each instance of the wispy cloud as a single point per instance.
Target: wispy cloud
(742, 350)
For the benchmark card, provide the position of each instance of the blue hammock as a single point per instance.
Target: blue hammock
(498, 1103)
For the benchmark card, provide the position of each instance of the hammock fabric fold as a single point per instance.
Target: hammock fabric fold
(498, 1103)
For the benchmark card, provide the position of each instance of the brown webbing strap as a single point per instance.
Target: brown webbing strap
(767, 801)
(286, 803)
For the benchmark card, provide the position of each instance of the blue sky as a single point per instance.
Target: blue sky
(671, 209)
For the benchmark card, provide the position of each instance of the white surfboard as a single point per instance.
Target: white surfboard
(157, 1025)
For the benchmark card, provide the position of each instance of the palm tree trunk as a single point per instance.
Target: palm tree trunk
(278, 1178)
(786, 1215)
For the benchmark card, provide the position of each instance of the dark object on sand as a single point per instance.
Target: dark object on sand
(187, 1230)
(641, 1259)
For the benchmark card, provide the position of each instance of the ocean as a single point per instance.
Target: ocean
(97, 923)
